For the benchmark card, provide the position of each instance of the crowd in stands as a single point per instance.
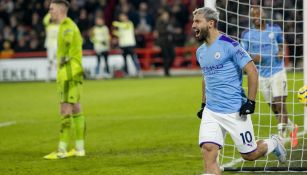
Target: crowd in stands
(22, 29)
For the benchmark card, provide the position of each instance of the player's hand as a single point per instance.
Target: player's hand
(63, 61)
(257, 58)
(280, 54)
(200, 112)
(247, 108)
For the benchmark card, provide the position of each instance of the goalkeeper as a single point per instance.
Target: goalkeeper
(69, 80)
(225, 106)
(264, 42)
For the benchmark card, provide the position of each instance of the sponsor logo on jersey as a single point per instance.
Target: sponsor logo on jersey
(209, 70)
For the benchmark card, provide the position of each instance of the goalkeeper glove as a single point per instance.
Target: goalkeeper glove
(247, 108)
(200, 112)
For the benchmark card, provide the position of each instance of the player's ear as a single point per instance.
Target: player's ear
(211, 24)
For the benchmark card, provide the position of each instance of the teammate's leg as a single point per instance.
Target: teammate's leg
(105, 56)
(281, 114)
(279, 93)
(51, 56)
(135, 61)
(284, 122)
(165, 57)
(97, 70)
(125, 53)
(171, 56)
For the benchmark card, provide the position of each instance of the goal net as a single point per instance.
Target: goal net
(235, 17)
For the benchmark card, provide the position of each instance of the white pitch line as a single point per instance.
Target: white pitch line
(232, 163)
(4, 124)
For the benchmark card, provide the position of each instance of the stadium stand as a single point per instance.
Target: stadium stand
(22, 31)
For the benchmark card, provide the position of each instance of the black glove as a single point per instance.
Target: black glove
(200, 112)
(63, 61)
(248, 107)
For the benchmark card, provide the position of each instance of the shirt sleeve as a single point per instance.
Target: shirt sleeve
(68, 35)
(240, 56)
(197, 55)
(279, 34)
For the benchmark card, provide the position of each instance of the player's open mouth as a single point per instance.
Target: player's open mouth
(197, 32)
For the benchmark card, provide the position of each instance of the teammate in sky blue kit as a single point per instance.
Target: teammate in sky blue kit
(225, 108)
(265, 45)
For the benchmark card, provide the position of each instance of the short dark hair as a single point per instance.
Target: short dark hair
(63, 2)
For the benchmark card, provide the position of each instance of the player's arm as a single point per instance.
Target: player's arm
(117, 25)
(92, 35)
(281, 49)
(252, 78)
(203, 100)
(46, 19)
(67, 38)
(244, 61)
(203, 91)
(280, 41)
(245, 45)
(256, 58)
(106, 38)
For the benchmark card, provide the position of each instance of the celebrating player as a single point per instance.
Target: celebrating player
(100, 38)
(69, 79)
(265, 45)
(51, 29)
(225, 107)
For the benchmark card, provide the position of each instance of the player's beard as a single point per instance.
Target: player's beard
(204, 34)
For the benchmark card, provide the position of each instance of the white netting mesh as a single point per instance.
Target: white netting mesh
(288, 14)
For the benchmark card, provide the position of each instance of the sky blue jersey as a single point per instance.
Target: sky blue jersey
(221, 64)
(264, 43)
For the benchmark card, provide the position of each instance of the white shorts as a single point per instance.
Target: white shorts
(274, 86)
(213, 128)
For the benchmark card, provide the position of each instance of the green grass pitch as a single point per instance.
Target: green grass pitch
(134, 127)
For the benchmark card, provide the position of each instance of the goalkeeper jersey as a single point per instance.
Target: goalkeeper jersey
(69, 48)
(221, 64)
(264, 43)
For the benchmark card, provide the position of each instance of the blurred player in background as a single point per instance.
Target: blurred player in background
(164, 32)
(264, 42)
(127, 42)
(100, 37)
(51, 29)
(69, 80)
(225, 108)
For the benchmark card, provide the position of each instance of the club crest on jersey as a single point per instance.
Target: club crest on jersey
(217, 55)
(271, 35)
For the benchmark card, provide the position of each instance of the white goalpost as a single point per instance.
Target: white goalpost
(291, 16)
